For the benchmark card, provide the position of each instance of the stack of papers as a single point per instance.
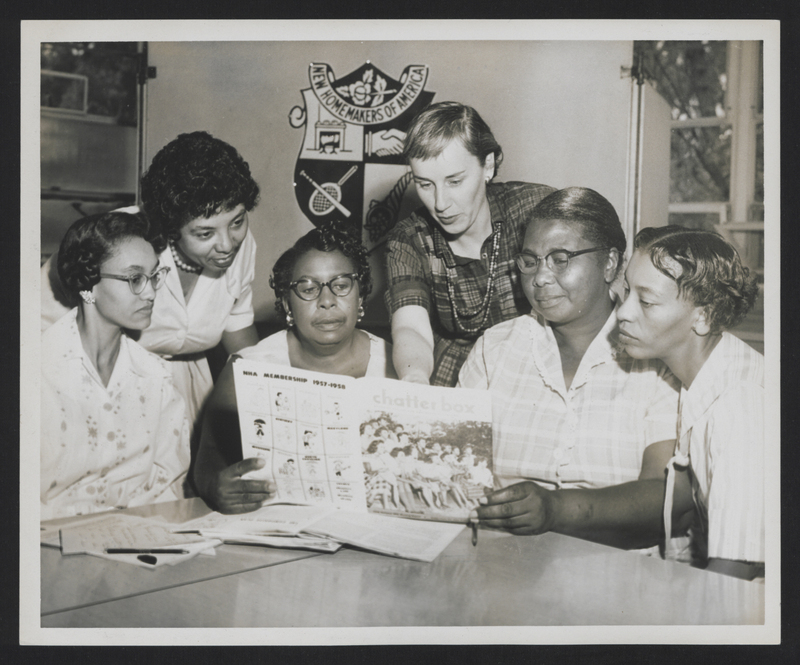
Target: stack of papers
(324, 528)
(131, 539)
(274, 526)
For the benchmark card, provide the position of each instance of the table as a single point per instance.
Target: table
(73, 582)
(548, 580)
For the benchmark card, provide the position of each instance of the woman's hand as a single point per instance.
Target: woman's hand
(524, 509)
(230, 493)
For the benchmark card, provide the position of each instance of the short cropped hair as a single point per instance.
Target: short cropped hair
(195, 176)
(591, 211)
(710, 275)
(438, 124)
(91, 240)
(329, 237)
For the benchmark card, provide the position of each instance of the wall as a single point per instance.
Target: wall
(560, 110)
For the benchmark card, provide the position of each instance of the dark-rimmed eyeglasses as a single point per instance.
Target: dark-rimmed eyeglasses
(557, 260)
(310, 289)
(138, 281)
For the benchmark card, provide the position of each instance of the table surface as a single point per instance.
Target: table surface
(548, 580)
(75, 581)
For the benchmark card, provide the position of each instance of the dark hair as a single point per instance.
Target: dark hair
(91, 240)
(195, 176)
(438, 124)
(597, 218)
(331, 236)
(708, 273)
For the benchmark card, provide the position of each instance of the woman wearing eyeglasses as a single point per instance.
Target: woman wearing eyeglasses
(113, 427)
(320, 286)
(570, 411)
(197, 193)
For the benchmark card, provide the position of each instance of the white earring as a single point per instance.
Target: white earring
(289, 319)
(88, 297)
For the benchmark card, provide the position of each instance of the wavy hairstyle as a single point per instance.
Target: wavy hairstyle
(707, 270)
(592, 212)
(438, 124)
(195, 176)
(91, 240)
(329, 237)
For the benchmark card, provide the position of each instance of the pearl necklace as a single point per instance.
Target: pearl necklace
(181, 263)
(469, 314)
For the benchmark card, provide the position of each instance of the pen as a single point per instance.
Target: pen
(123, 550)
(474, 534)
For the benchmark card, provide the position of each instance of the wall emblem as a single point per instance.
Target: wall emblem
(350, 164)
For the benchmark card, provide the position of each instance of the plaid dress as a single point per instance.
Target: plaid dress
(419, 259)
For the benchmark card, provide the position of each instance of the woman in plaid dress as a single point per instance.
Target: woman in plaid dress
(451, 263)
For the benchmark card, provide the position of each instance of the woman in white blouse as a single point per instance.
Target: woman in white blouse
(581, 431)
(320, 286)
(686, 288)
(113, 427)
(196, 193)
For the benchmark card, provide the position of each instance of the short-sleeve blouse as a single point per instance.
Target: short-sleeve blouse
(722, 434)
(592, 434)
(124, 444)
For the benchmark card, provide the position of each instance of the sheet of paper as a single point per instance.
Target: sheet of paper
(300, 541)
(51, 529)
(410, 539)
(305, 427)
(268, 520)
(120, 531)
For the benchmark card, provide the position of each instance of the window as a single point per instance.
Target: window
(715, 90)
(93, 78)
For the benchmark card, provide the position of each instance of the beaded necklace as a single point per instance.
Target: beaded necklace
(469, 314)
(181, 263)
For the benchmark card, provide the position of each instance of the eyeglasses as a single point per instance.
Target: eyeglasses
(557, 260)
(139, 280)
(310, 289)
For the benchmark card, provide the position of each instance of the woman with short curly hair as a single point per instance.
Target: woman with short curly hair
(197, 194)
(320, 285)
(113, 432)
(686, 288)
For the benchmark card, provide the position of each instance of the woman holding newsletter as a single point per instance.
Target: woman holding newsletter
(571, 412)
(197, 193)
(451, 263)
(320, 286)
(685, 288)
(113, 428)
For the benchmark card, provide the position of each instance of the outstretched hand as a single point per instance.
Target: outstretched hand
(231, 493)
(524, 509)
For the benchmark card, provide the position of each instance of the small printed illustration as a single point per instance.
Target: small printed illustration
(258, 399)
(337, 440)
(308, 407)
(334, 411)
(317, 492)
(340, 467)
(284, 435)
(310, 439)
(311, 468)
(288, 468)
(282, 402)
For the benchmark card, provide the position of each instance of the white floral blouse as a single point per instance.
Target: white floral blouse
(125, 444)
